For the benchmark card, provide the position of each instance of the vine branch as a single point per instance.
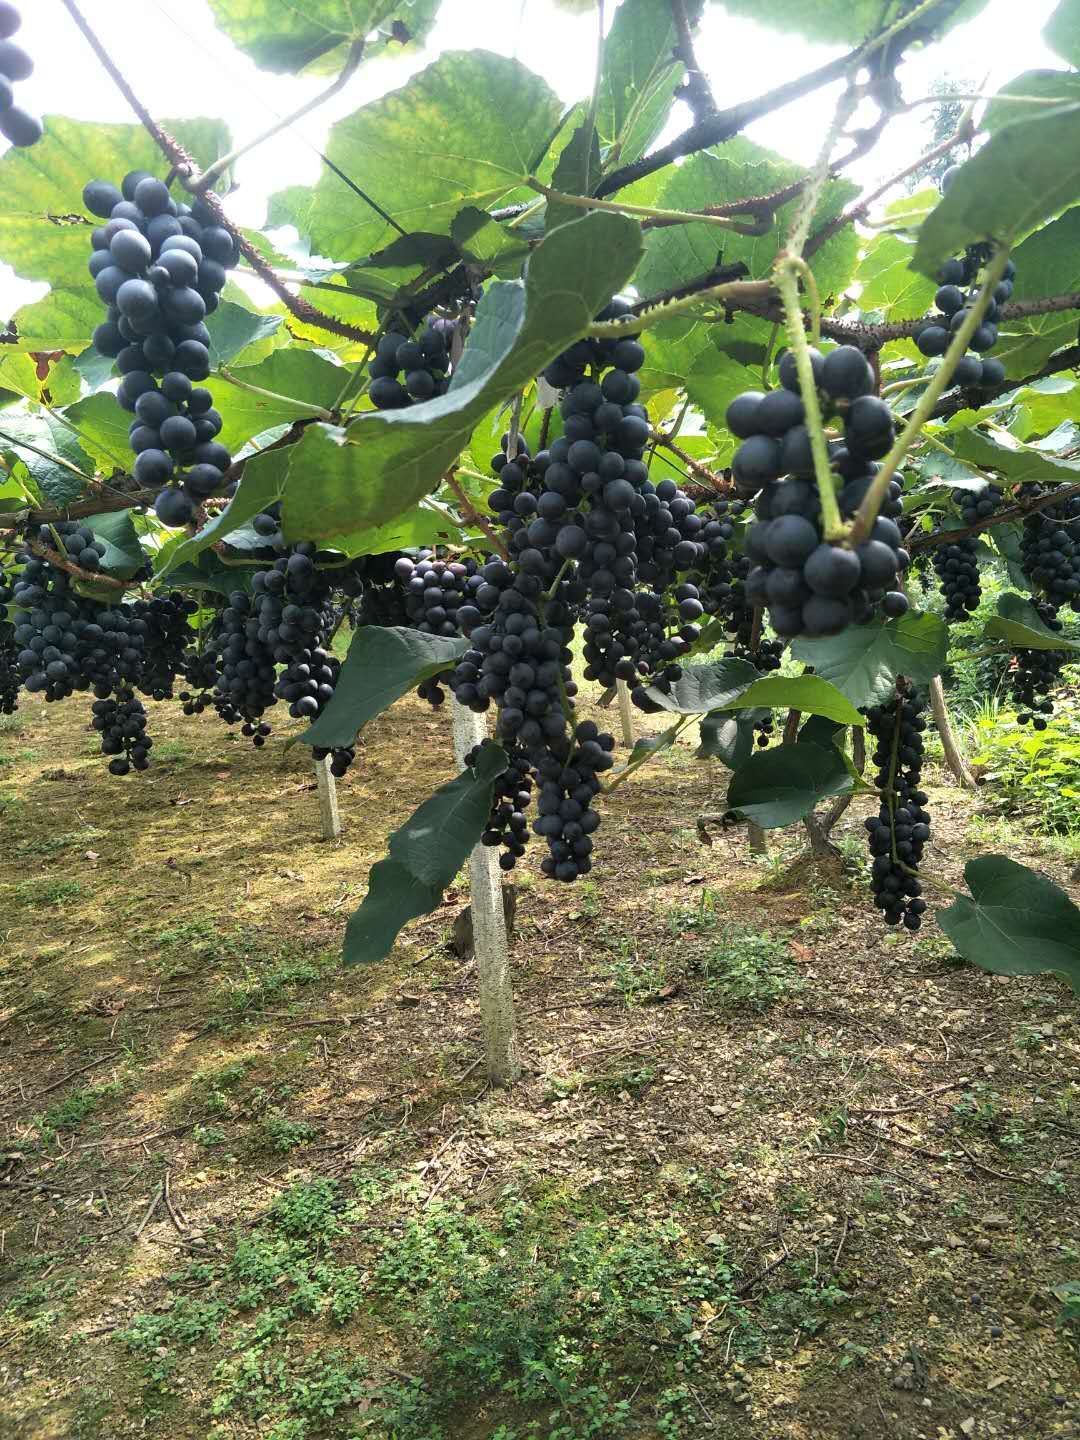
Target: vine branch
(696, 89)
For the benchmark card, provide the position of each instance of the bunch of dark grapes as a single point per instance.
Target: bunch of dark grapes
(121, 721)
(247, 675)
(372, 582)
(1034, 674)
(901, 827)
(957, 568)
(958, 288)
(9, 662)
(66, 641)
(565, 817)
(507, 824)
(16, 124)
(160, 267)
(812, 587)
(165, 642)
(199, 670)
(423, 363)
(1050, 549)
(435, 591)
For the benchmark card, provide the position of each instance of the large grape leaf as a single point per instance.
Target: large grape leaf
(102, 427)
(1003, 453)
(1047, 263)
(849, 21)
(282, 36)
(387, 460)
(811, 694)
(462, 132)
(425, 855)
(233, 329)
(704, 688)
(1062, 31)
(778, 786)
(304, 382)
(44, 227)
(639, 78)
(1025, 173)
(1017, 622)
(1015, 922)
(741, 169)
(888, 282)
(865, 660)
(729, 737)
(384, 662)
(54, 442)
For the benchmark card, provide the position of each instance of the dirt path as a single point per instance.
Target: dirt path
(771, 1173)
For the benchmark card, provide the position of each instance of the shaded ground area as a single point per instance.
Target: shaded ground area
(771, 1173)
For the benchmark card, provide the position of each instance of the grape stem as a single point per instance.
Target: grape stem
(90, 577)
(868, 511)
(472, 516)
(739, 293)
(647, 212)
(787, 272)
(199, 184)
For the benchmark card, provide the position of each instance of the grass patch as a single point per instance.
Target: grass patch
(749, 969)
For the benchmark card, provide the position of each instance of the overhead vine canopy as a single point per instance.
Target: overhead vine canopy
(528, 384)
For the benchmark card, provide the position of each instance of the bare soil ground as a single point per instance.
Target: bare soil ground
(771, 1172)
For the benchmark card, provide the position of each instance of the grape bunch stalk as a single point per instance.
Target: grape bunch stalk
(809, 585)
(160, 265)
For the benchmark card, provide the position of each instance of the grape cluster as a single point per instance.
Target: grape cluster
(812, 587)
(424, 363)
(507, 824)
(165, 641)
(901, 827)
(199, 669)
(957, 563)
(1050, 549)
(565, 817)
(9, 661)
(16, 125)
(121, 721)
(957, 568)
(160, 267)
(958, 288)
(1034, 674)
(436, 590)
(65, 641)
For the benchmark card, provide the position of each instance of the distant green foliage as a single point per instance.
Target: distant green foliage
(1031, 772)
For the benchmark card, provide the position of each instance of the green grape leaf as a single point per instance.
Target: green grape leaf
(302, 380)
(576, 173)
(1015, 921)
(1027, 172)
(1047, 263)
(1017, 623)
(45, 229)
(123, 552)
(462, 132)
(384, 662)
(102, 427)
(386, 461)
(287, 38)
(233, 329)
(808, 693)
(58, 483)
(638, 79)
(778, 786)
(678, 253)
(703, 688)
(1006, 455)
(1062, 31)
(425, 855)
(729, 737)
(850, 21)
(864, 661)
(888, 282)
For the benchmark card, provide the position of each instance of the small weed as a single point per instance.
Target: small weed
(171, 750)
(51, 844)
(1068, 1318)
(636, 979)
(47, 892)
(279, 1133)
(750, 969)
(632, 1082)
(69, 1113)
(208, 1136)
